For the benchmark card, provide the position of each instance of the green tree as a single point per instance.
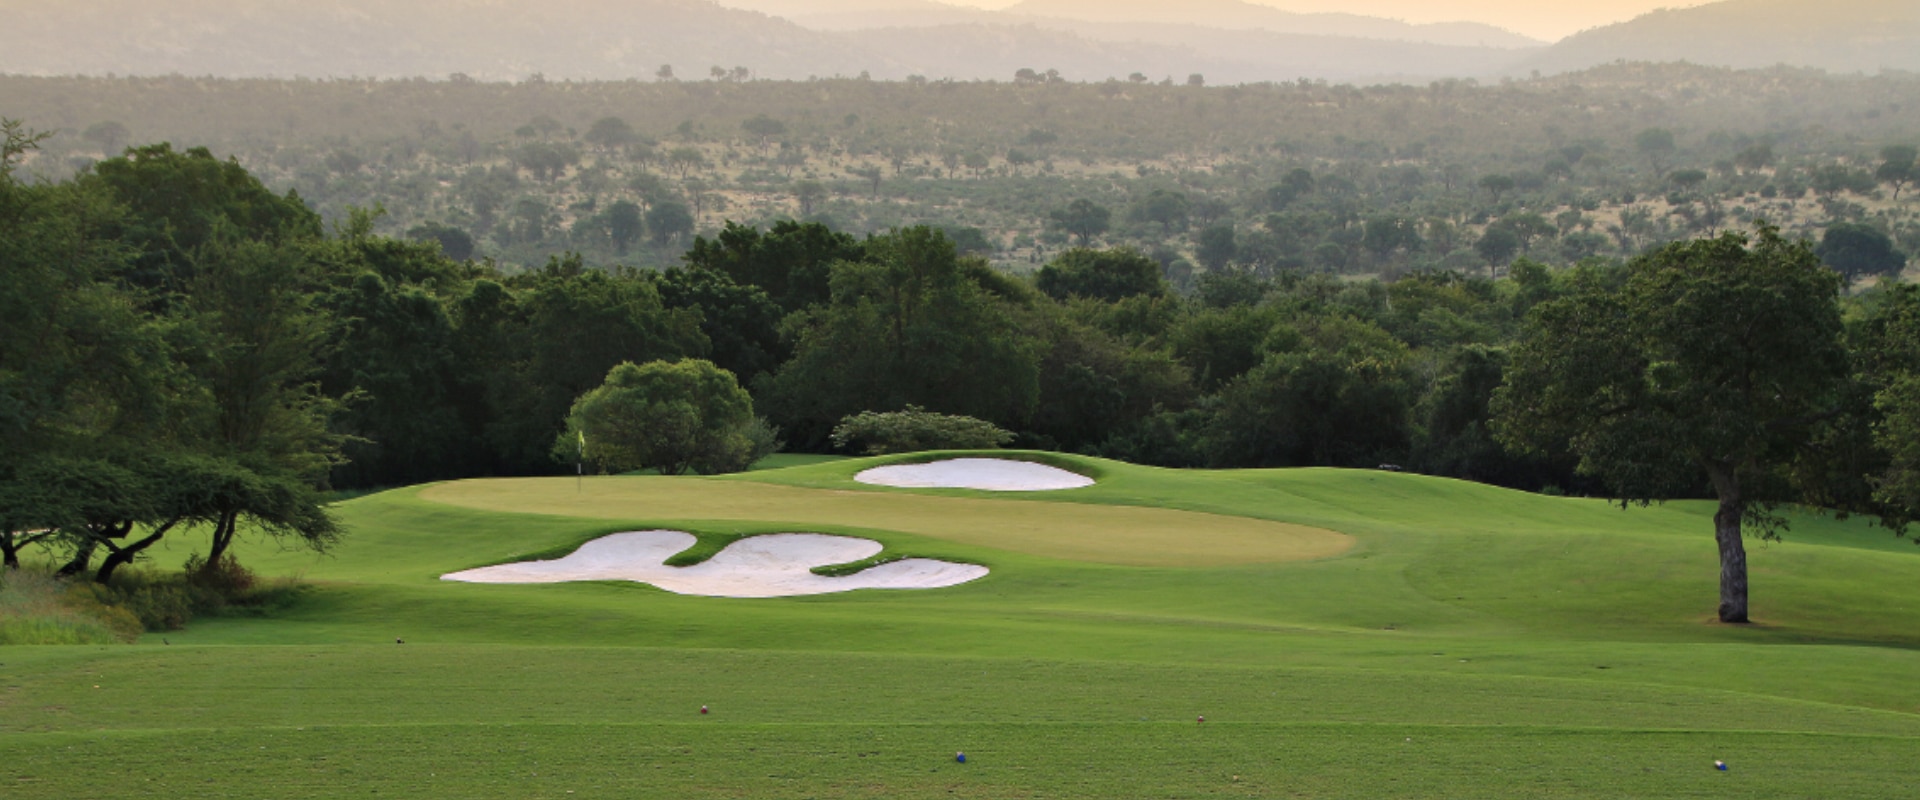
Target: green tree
(81, 369)
(673, 417)
(1215, 247)
(1754, 157)
(545, 160)
(178, 202)
(1497, 246)
(1108, 275)
(808, 194)
(1657, 145)
(1162, 206)
(1339, 395)
(668, 221)
(1829, 180)
(1389, 233)
(261, 338)
(1687, 179)
(1897, 167)
(1082, 219)
(543, 339)
(1295, 183)
(791, 261)
(610, 133)
(742, 323)
(108, 135)
(454, 242)
(624, 225)
(763, 129)
(916, 429)
(1497, 185)
(1887, 348)
(1856, 251)
(912, 323)
(1717, 361)
(395, 351)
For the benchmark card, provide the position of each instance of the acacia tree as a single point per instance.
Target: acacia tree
(1716, 363)
(1082, 219)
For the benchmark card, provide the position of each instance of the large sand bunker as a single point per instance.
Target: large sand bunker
(991, 474)
(775, 565)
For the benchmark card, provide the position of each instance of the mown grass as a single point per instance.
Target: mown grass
(1472, 642)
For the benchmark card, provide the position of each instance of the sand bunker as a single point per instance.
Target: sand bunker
(991, 474)
(776, 565)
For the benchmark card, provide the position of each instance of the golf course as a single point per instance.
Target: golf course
(1311, 633)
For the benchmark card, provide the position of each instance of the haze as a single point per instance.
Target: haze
(1548, 21)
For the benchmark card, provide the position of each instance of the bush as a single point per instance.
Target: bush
(917, 429)
(225, 577)
(674, 417)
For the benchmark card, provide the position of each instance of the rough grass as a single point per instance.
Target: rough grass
(1473, 642)
(39, 609)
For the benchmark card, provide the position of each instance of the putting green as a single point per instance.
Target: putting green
(1101, 534)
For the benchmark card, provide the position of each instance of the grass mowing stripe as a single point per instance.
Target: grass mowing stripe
(913, 761)
(55, 689)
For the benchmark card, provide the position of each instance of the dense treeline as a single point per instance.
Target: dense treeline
(185, 349)
(1301, 176)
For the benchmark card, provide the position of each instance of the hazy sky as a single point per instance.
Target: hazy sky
(1542, 19)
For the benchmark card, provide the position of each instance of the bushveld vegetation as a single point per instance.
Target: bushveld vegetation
(1271, 178)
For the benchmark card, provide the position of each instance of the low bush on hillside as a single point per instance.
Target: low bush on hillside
(916, 429)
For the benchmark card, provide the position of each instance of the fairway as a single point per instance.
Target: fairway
(1345, 634)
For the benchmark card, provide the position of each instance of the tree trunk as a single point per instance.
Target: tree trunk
(82, 556)
(222, 537)
(122, 556)
(1733, 548)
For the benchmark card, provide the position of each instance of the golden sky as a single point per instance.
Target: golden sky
(1542, 19)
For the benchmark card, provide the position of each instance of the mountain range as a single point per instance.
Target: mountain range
(1228, 41)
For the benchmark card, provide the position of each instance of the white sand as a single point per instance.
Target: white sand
(775, 565)
(991, 474)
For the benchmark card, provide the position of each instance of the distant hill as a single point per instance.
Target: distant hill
(1835, 35)
(1099, 52)
(485, 39)
(624, 39)
(1242, 15)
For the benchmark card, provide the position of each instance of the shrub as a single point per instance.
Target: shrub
(917, 429)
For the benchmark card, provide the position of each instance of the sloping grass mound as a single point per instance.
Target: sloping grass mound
(1467, 641)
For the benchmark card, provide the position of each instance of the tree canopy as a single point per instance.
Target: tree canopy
(675, 417)
(1715, 363)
